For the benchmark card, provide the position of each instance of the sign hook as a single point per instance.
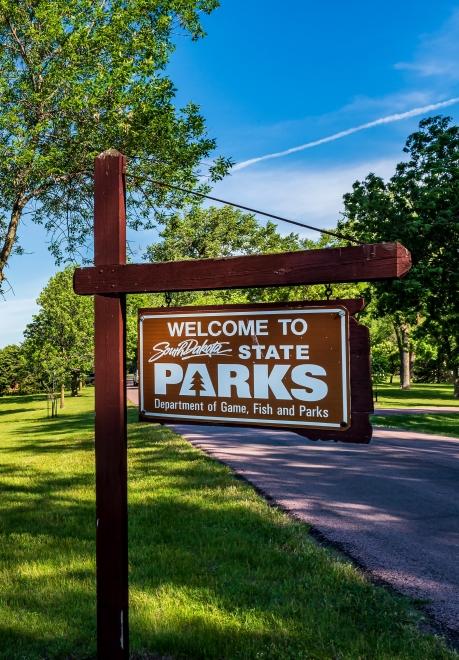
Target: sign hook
(328, 291)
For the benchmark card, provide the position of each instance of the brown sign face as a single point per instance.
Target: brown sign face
(241, 365)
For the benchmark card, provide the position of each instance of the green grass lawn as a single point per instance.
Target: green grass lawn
(420, 394)
(441, 424)
(214, 571)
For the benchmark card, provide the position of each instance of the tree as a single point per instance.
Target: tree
(197, 383)
(59, 341)
(384, 354)
(59, 345)
(12, 369)
(77, 77)
(221, 232)
(418, 206)
(133, 304)
(218, 232)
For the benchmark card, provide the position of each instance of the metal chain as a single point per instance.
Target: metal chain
(168, 298)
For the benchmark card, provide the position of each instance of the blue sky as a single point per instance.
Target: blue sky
(271, 76)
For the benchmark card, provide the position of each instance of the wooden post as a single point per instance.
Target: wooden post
(109, 281)
(110, 423)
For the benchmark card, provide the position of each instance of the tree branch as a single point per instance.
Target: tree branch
(23, 52)
(11, 233)
(57, 179)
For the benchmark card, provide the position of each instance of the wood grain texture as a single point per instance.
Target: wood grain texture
(348, 264)
(110, 422)
(360, 430)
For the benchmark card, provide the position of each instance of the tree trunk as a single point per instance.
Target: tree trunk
(62, 395)
(405, 382)
(451, 364)
(11, 233)
(403, 341)
(75, 384)
(412, 361)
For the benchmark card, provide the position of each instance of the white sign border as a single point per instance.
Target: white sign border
(256, 312)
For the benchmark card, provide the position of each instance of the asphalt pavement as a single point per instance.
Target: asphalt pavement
(392, 505)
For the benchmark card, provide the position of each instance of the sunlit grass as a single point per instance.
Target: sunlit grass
(420, 394)
(441, 424)
(47, 531)
(214, 571)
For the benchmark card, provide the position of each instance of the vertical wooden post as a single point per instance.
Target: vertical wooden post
(110, 423)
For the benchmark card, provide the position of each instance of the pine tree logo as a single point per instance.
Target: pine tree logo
(197, 383)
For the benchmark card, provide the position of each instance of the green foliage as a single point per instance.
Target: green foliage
(12, 369)
(430, 365)
(418, 206)
(218, 232)
(224, 232)
(384, 353)
(78, 77)
(133, 304)
(59, 340)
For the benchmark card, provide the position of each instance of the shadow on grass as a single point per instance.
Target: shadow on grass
(446, 424)
(53, 434)
(249, 581)
(214, 572)
(217, 582)
(47, 591)
(15, 399)
(419, 394)
(15, 411)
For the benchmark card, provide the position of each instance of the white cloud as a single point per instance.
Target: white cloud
(438, 54)
(389, 103)
(389, 119)
(14, 316)
(261, 137)
(313, 196)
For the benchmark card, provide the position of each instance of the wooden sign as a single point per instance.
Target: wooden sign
(343, 354)
(250, 365)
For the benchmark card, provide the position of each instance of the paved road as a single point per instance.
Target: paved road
(393, 505)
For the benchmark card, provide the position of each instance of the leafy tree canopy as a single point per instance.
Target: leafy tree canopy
(206, 233)
(12, 368)
(418, 206)
(219, 232)
(78, 77)
(224, 232)
(59, 340)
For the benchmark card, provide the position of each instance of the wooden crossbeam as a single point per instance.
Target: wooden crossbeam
(377, 261)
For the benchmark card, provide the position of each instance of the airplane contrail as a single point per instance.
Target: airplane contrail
(349, 131)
